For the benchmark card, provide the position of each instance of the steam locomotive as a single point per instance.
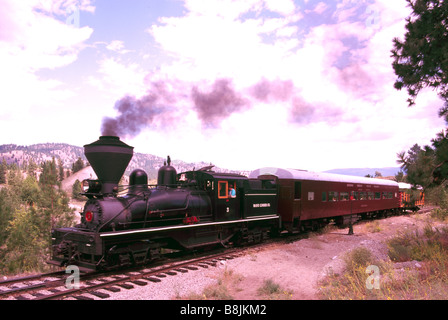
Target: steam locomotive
(182, 212)
(202, 208)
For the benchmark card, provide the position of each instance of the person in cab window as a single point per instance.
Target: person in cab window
(232, 192)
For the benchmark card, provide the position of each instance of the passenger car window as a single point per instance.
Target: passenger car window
(332, 196)
(297, 190)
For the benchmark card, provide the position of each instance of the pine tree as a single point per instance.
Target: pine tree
(28, 211)
(421, 60)
(61, 170)
(419, 164)
(32, 168)
(3, 171)
(77, 165)
(53, 203)
(25, 246)
(76, 190)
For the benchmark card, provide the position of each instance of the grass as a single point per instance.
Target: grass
(271, 290)
(373, 226)
(422, 274)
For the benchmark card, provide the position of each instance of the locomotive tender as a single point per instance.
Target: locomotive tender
(202, 208)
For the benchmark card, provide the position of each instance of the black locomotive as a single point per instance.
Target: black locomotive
(183, 211)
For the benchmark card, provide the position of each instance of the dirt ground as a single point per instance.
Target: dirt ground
(297, 267)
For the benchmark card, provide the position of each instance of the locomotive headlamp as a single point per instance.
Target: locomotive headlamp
(91, 186)
(89, 216)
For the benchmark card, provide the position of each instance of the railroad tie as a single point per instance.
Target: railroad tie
(125, 285)
(54, 290)
(160, 275)
(81, 297)
(99, 294)
(203, 265)
(191, 268)
(38, 294)
(112, 289)
(139, 282)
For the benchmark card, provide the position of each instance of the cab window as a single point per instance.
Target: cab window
(223, 189)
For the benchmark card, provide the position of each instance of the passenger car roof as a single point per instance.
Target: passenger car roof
(317, 176)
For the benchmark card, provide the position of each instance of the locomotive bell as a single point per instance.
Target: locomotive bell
(109, 158)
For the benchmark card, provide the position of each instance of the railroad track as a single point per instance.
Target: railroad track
(14, 288)
(52, 286)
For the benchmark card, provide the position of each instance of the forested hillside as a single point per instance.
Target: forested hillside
(66, 155)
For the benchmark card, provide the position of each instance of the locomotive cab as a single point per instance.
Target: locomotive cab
(234, 196)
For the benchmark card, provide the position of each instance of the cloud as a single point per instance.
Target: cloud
(210, 41)
(322, 74)
(35, 40)
(221, 8)
(117, 46)
(320, 8)
(284, 7)
(65, 7)
(119, 78)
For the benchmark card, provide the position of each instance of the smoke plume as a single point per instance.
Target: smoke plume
(168, 100)
(216, 105)
(276, 90)
(136, 114)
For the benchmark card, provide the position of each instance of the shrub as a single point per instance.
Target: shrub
(274, 291)
(428, 279)
(439, 214)
(373, 226)
(358, 257)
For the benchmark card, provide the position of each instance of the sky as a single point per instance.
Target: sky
(304, 84)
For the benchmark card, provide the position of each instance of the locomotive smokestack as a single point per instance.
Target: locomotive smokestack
(109, 158)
